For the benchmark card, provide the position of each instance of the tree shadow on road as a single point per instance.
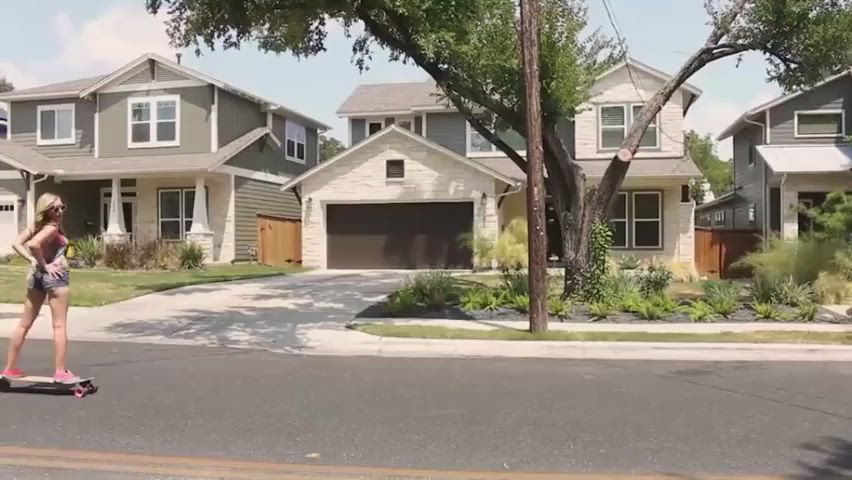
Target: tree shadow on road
(835, 460)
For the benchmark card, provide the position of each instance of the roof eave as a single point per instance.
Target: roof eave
(37, 96)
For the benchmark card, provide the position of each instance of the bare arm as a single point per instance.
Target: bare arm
(34, 245)
(20, 245)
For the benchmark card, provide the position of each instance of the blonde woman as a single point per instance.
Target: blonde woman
(44, 246)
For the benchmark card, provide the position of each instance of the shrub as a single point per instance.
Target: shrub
(191, 256)
(655, 280)
(628, 262)
(118, 255)
(596, 275)
(88, 250)
(765, 289)
(843, 263)
(665, 303)
(559, 307)
(795, 295)
(832, 289)
(435, 289)
(520, 302)
(510, 251)
(647, 310)
(473, 299)
(807, 313)
(402, 301)
(629, 302)
(700, 311)
(157, 255)
(516, 282)
(493, 300)
(621, 286)
(802, 259)
(601, 310)
(766, 311)
(722, 297)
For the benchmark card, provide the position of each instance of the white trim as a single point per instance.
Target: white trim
(31, 201)
(659, 220)
(657, 126)
(8, 120)
(180, 219)
(56, 107)
(152, 121)
(652, 72)
(151, 86)
(495, 152)
(131, 200)
(37, 96)
(624, 220)
(14, 200)
(837, 111)
(10, 175)
(624, 108)
(367, 123)
(97, 124)
(423, 125)
(417, 138)
(253, 174)
(376, 113)
(214, 121)
(295, 139)
(768, 129)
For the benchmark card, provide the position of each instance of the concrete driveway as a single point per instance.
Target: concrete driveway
(273, 313)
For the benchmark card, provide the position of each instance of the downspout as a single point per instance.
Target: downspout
(764, 190)
(508, 191)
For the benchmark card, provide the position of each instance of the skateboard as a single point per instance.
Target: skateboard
(80, 389)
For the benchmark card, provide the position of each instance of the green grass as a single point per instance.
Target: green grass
(429, 332)
(100, 286)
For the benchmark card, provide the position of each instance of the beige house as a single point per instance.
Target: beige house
(416, 179)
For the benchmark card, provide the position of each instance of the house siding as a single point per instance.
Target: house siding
(146, 75)
(748, 180)
(195, 109)
(265, 156)
(833, 95)
(25, 125)
(237, 116)
(448, 130)
(357, 130)
(253, 197)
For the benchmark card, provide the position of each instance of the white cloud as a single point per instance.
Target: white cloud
(96, 46)
(709, 116)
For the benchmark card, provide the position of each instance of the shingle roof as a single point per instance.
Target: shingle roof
(389, 97)
(38, 163)
(640, 167)
(67, 86)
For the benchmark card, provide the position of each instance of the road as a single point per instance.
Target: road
(342, 415)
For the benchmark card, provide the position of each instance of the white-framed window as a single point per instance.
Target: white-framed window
(613, 122)
(372, 127)
(719, 217)
(478, 146)
(174, 212)
(153, 121)
(647, 219)
(55, 124)
(651, 139)
(296, 143)
(406, 123)
(820, 123)
(618, 221)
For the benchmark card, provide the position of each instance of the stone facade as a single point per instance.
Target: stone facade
(359, 177)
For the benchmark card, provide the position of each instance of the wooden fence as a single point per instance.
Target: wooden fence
(279, 240)
(716, 250)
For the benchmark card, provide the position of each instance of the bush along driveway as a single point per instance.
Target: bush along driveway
(102, 286)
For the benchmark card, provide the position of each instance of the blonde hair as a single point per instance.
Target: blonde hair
(43, 205)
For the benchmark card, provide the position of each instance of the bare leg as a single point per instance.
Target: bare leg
(32, 305)
(58, 300)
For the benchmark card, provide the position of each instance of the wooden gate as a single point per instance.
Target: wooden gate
(717, 250)
(279, 240)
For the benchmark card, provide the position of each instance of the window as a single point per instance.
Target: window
(154, 122)
(374, 127)
(820, 124)
(175, 212)
(406, 123)
(685, 197)
(719, 218)
(613, 121)
(296, 142)
(651, 137)
(395, 169)
(647, 220)
(751, 151)
(55, 124)
(618, 221)
(478, 146)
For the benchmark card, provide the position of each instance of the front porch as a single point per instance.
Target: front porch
(794, 191)
(151, 208)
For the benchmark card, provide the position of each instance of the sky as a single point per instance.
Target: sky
(57, 40)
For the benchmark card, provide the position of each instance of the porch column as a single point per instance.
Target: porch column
(31, 199)
(789, 213)
(115, 231)
(200, 232)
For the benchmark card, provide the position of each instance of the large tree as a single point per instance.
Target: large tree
(471, 49)
(718, 173)
(329, 147)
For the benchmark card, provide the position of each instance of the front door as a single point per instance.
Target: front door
(128, 205)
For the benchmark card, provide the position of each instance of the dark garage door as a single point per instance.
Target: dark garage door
(399, 235)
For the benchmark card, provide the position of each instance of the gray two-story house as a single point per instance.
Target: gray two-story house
(788, 153)
(158, 133)
(416, 178)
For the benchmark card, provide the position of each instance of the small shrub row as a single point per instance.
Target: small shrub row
(154, 255)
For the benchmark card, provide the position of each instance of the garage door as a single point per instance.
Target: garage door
(399, 235)
(8, 225)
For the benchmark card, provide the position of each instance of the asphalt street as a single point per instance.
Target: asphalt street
(786, 420)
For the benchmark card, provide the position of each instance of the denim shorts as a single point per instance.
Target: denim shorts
(43, 282)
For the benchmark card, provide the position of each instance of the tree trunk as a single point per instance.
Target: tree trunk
(536, 223)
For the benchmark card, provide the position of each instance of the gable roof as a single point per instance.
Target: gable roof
(409, 97)
(394, 129)
(741, 122)
(29, 159)
(87, 86)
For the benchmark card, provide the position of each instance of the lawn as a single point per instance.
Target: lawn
(434, 332)
(100, 286)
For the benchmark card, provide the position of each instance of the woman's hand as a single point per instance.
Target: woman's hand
(55, 269)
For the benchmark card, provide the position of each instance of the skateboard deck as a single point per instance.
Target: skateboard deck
(80, 389)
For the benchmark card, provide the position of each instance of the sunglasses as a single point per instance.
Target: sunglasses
(58, 208)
